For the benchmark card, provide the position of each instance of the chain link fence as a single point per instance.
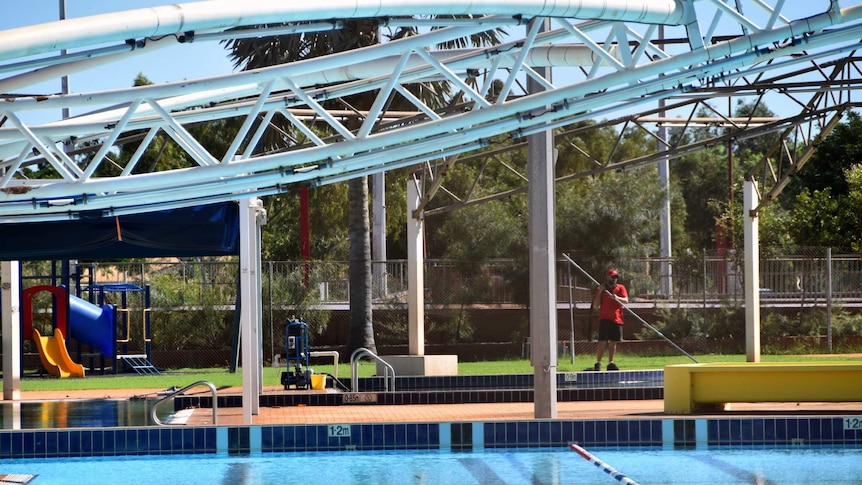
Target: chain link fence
(183, 311)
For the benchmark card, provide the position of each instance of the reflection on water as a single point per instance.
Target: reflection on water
(95, 413)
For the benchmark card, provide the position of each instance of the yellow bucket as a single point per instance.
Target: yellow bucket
(318, 382)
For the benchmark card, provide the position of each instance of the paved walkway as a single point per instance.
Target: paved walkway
(374, 413)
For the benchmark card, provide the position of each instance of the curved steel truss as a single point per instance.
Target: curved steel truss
(611, 59)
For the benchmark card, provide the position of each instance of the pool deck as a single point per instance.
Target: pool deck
(379, 413)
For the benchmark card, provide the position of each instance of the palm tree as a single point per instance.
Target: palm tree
(261, 52)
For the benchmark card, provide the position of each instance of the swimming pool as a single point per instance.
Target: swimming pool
(81, 413)
(798, 465)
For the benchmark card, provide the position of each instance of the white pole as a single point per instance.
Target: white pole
(752, 273)
(543, 296)
(250, 323)
(10, 279)
(415, 270)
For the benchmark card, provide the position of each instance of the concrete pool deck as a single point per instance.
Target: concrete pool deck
(381, 413)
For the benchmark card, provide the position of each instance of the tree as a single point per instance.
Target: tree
(356, 33)
(825, 194)
(840, 150)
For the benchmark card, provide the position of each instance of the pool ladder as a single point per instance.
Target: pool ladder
(354, 374)
(173, 394)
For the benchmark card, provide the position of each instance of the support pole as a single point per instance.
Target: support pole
(543, 298)
(10, 278)
(752, 273)
(251, 216)
(378, 234)
(415, 270)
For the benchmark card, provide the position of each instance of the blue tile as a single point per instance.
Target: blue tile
(266, 439)
(589, 438)
(103, 442)
(411, 435)
(290, 438)
(153, 440)
(75, 443)
(63, 443)
(556, 433)
(378, 436)
(6, 445)
(400, 435)
(633, 432)
(601, 433)
(734, 431)
(567, 432)
(389, 435)
(299, 438)
(187, 440)
(656, 432)
(815, 433)
(781, 431)
(433, 435)
(311, 436)
(612, 433)
(28, 446)
(39, 445)
(149, 441)
(522, 433)
(366, 436)
(50, 444)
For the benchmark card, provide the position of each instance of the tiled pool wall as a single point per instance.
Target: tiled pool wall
(583, 386)
(575, 386)
(668, 433)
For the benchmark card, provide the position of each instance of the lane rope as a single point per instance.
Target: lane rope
(617, 475)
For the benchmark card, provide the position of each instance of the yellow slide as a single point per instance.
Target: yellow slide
(55, 357)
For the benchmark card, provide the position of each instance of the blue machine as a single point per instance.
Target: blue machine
(296, 350)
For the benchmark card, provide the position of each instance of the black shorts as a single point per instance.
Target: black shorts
(610, 330)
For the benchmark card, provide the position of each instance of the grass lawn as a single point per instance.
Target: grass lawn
(271, 376)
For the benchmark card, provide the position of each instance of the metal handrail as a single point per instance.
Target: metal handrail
(180, 391)
(354, 377)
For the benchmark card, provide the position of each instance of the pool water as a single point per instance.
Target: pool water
(88, 413)
(798, 465)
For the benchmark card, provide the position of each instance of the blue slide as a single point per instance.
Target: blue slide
(92, 324)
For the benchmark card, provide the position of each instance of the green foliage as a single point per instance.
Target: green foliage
(840, 150)
(727, 321)
(774, 228)
(190, 317)
(281, 239)
(611, 220)
(822, 219)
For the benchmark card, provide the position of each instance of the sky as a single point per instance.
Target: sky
(197, 60)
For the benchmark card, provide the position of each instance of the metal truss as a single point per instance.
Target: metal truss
(610, 59)
(822, 93)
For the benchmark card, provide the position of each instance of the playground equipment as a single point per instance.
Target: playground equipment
(95, 326)
(296, 349)
(54, 355)
(123, 346)
(93, 321)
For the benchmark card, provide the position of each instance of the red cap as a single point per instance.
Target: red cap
(613, 272)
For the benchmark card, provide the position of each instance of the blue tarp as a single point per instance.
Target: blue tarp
(207, 230)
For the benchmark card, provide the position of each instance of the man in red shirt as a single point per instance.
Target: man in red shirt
(609, 299)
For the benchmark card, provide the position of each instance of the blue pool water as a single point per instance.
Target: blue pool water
(798, 465)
